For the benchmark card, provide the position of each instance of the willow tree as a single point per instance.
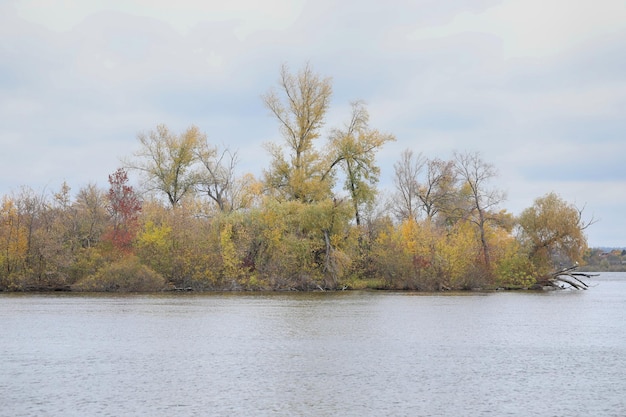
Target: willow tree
(354, 149)
(552, 231)
(299, 104)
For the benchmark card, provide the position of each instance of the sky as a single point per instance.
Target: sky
(537, 87)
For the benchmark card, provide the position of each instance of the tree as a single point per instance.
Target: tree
(552, 231)
(167, 161)
(475, 175)
(217, 178)
(123, 207)
(354, 149)
(438, 192)
(300, 105)
(31, 208)
(435, 193)
(13, 241)
(406, 181)
(91, 215)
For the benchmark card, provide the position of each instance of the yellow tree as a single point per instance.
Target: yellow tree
(421, 241)
(354, 149)
(13, 240)
(154, 238)
(299, 104)
(167, 161)
(552, 231)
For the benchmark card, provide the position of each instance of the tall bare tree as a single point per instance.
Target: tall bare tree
(475, 175)
(406, 180)
(427, 185)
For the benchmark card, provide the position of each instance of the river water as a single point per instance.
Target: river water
(559, 353)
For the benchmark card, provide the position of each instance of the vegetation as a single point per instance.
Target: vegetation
(193, 223)
(605, 259)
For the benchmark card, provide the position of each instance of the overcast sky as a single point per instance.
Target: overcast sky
(538, 87)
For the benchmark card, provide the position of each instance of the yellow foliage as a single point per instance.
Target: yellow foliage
(230, 262)
(153, 235)
(13, 237)
(513, 268)
(458, 252)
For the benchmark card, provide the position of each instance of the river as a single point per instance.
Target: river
(560, 353)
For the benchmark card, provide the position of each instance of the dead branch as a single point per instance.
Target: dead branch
(567, 276)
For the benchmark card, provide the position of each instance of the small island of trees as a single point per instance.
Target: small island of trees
(315, 220)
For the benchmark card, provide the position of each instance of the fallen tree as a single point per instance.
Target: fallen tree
(566, 278)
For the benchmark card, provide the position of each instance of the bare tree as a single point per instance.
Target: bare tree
(406, 180)
(217, 178)
(438, 191)
(475, 175)
(428, 185)
(91, 215)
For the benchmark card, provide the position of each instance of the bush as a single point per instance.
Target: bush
(515, 272)
(126, 275)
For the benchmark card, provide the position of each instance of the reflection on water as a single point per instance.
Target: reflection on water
(316, 354)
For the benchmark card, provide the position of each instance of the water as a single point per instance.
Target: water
(323, 354)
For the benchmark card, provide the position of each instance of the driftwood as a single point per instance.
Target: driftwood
(566, 278)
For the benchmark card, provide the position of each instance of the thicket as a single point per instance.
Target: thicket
(315, 220)
(54, 243)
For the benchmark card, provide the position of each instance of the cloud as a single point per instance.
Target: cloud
(249, 15)
(536, 27)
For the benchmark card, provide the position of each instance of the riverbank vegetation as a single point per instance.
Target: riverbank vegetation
(314, 220)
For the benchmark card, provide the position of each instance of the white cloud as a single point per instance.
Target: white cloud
(536, 27)
(184, 15)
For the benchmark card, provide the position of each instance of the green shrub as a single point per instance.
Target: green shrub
(515, 272)
(126, 275)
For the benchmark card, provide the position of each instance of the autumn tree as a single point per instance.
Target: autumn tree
(475, 174)
(91, 214)
(13, 241)
(438, 193)
(353, 148)
(29, 206)
(552, 230)
(299, 104)
(167, 161)
(123, 207)
(301, 245)
(55, 240)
